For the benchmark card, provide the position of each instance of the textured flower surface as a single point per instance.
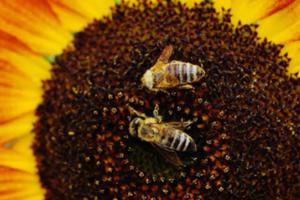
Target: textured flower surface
(69, 70)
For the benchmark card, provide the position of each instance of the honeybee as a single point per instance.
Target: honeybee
(164, 74)
(166, 137)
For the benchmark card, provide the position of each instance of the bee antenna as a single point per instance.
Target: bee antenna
(140, 87)
(127, 71)
(135, 112)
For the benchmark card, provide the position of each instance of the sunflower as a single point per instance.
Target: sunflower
(69, 70)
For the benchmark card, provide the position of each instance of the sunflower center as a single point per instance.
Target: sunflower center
(245, 111)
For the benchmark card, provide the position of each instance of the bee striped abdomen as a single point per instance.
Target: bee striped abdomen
(181, 142)
(185, 72)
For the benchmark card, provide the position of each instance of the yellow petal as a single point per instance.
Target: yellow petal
(34, 22)
(15, 109)
(71, 19)
(76, 14)
(249, 11)
(17, 153)
(16, 160)
(11, 77)
(283, 25)
(95, 8)
(18, 184)
(32, 66)
(16, 103)
(21, 76)
(23, 145)
(190, 3)
(10, 42)
(16, 128)
(293, 49)
(219, 4)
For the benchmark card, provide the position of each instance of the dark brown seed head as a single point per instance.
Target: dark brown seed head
(246, 110)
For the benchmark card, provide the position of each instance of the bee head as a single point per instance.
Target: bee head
(147, 79)
(134, 126)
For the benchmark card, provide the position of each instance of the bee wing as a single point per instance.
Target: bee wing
(163, 59)
(169, 155)
(166, 54)
(170, 127)
(167, 81)
(179, 125)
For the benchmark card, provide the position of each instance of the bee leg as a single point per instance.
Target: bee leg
(179, 125)
(165, 91)
(187, 123)
(156, 113)
(156, 110)
(186, 87)
(155, 90)
(135, 112)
